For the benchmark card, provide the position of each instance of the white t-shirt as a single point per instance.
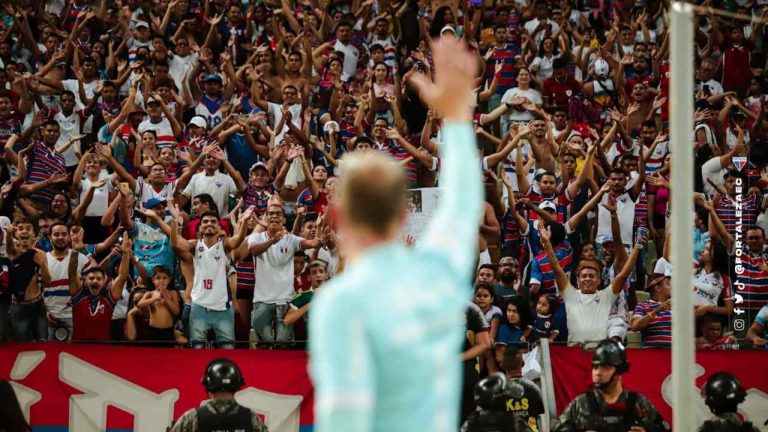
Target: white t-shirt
(531, 25)
(218, 186)
(625, 209)
(587, 314)
(72, 85)
(178, 66)
(545, 66)
(144, 191)
(351, 54)
(521, 116)
(100, 201)
(274, 277)
(275, 110)
(69, 126)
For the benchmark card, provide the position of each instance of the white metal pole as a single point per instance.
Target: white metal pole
(681, 125)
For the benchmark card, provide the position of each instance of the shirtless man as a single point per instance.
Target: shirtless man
(163, 306)
(489, 227)
(28, 308)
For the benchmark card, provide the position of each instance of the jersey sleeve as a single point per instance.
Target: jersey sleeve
(535, 272)
(452, 233)
(343, 369)
(762, 317)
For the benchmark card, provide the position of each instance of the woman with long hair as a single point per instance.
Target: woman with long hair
(711, 282)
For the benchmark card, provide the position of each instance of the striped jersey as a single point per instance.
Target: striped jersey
(507, 77)
(542, 271)
(561, 201)
(656, 160)
(258, 198)
(44, 163)
(396, 151)
(734, 213)
(659, 330)
(389, 43)
(305, 198)
(163, 130)
(510, 231)
(133, 48)
(73, 12)
(56, 293)
(246, 273)
(641, 210)
(752, 285)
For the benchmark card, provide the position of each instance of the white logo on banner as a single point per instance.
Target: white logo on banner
(753, 408)
(151, 411)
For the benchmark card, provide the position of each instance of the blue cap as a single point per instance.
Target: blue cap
(212, 78)
(608, 238)
(153, 202)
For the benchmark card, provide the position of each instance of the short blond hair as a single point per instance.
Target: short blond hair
(372, 190)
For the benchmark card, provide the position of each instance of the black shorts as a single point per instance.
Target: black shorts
(244, 294)
(161, 337)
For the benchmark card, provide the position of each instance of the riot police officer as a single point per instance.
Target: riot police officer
(491, 394)
(608, 407)
(723, 393)
(221, 413)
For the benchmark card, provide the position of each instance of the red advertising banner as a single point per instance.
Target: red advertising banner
(649, 373)
(97, 388)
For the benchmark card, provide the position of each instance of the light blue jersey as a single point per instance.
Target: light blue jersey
(386, 335)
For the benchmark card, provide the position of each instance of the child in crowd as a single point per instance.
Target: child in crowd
(544, 325)
(484, 299)
(712, 337)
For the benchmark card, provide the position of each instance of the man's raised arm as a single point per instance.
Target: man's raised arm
(453, 231)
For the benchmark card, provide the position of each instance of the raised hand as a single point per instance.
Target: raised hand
(610, 204)
(393, 133)
(98, 183)
(126, 247)
(295, 152)
(455, 71)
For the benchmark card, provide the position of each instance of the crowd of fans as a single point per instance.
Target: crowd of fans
(169, 168)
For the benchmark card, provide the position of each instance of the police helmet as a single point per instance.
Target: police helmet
(611, 353)
(723, 392)
(222, 375)
(489, 391)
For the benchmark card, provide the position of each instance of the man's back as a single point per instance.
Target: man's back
(399, 312)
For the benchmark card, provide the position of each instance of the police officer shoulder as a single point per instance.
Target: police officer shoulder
(491, 395)
(723, 393)
(221, 413)
(609, 407)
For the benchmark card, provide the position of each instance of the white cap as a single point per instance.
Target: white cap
(448, 28)
(548, 205)
(602, 68)
(141, 24)
(328, 124)
(198, 121)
